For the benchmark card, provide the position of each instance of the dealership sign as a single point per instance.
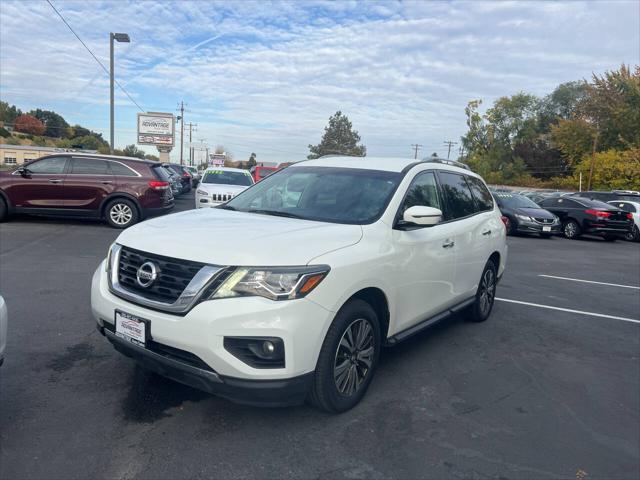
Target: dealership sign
(217, 159)
(156, 129)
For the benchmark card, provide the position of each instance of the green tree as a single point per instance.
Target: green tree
(339, 138)
(252, 161)
(133, 151)
(55, 125)
(612, 169)
(9, 113)
(574, 138)
(87, 142)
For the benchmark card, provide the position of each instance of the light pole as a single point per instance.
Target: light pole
(118, 37)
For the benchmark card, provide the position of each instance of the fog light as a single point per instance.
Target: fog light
(268, 347)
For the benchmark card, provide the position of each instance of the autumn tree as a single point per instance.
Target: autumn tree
(339, 138)
(29, 124)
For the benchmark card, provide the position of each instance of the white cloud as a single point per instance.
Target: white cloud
(265, 76)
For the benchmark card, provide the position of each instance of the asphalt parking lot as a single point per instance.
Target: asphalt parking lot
(535, 392)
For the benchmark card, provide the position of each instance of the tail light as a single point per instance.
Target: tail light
(158, 184)
(598, 213)
(186, 174)
(629, 216)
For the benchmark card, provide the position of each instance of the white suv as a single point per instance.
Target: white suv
(221, 184)
(289, 291)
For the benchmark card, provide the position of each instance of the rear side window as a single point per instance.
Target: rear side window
(89, 166)
(481, 194)
(51, 166)
(161, 173)
(565, 202)
(423, 192)
(121, 170)
(457, 194)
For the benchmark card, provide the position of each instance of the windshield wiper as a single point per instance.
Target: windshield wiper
(275, 213)
(226, 207)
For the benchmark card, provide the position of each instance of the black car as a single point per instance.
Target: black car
(580, 215)
(183, 174)
(525, 216)
(609, 196)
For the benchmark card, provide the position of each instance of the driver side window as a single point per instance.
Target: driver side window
(423, 191)
(51, 166)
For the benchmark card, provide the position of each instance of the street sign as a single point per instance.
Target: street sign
(155, 128)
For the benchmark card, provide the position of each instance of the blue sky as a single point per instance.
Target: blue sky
(265, 76)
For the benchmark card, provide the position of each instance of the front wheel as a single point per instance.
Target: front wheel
(633, 235)
(121, 213)
(485, 295)
(348, 358)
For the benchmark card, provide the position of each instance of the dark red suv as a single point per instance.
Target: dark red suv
(121, 190)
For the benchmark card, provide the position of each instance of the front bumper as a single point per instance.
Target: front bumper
(301, 324)
(206, 202)
(270, 393)
(535, 227)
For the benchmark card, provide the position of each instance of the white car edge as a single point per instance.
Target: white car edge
(279, 309)
(3, 328)
(634, 209)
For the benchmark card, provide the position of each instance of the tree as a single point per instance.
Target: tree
(87, 142)
(133, 151)
(252, 161)
(612, 169)
(339, 138)
(55, 125)
(574, 138)
(28, 124)
(9, 113)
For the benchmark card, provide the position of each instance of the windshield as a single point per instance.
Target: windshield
(326, 194)
(225, 177)
(515, 201)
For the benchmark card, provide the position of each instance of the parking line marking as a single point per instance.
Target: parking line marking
(624, 319)
(591, 281)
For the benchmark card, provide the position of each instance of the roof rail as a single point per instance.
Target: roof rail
(445, 161)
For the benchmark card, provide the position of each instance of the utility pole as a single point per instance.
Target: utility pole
(192, 128)
(449, 143)
(416, 147)
(593, 156)
(118, 37)
(181, 120)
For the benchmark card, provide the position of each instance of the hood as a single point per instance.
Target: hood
(218, 188)
(225, 237)
(535, 212)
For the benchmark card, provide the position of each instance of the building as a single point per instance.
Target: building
(11, 155)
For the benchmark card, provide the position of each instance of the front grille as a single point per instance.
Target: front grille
(175, 274)
(546, 221)
(221, 197)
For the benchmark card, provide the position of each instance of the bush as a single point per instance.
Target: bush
(4, 132)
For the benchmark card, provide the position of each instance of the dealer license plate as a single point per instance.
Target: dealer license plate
(131, 328)
(546, 229)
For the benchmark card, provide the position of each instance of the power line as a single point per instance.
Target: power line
(416, 147)
(94, 57)
(450, 144)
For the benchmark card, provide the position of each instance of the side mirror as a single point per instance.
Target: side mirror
(425, 216)
(23, 171)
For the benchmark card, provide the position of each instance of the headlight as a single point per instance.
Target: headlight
(277, 283)
(526, 218)
(202, 192)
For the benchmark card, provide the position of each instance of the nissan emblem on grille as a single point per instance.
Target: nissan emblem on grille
(147, 274)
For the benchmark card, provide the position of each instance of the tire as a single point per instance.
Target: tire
(485, 295)
(609, 238)
(334, 391)
(632, 236)
(571, 229)
(121, 213)
(3, 210)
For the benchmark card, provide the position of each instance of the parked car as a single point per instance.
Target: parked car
(195, 175)
(3, 328)
(610, 196)
(525, 216)
(580, 215)
(259, 172)
(122, 190)
(220, 185)
(291, 297)
(174, 180)
(634, 209)
(183, 175)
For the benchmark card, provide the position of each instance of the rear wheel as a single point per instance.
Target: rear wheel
(486, 294)
(121, 213)
(571, 229)
(633, 235)
(348, 358)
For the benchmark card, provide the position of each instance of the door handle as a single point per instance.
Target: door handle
(55, 180)
(448, 244)
(487, 232)
(106, 182)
